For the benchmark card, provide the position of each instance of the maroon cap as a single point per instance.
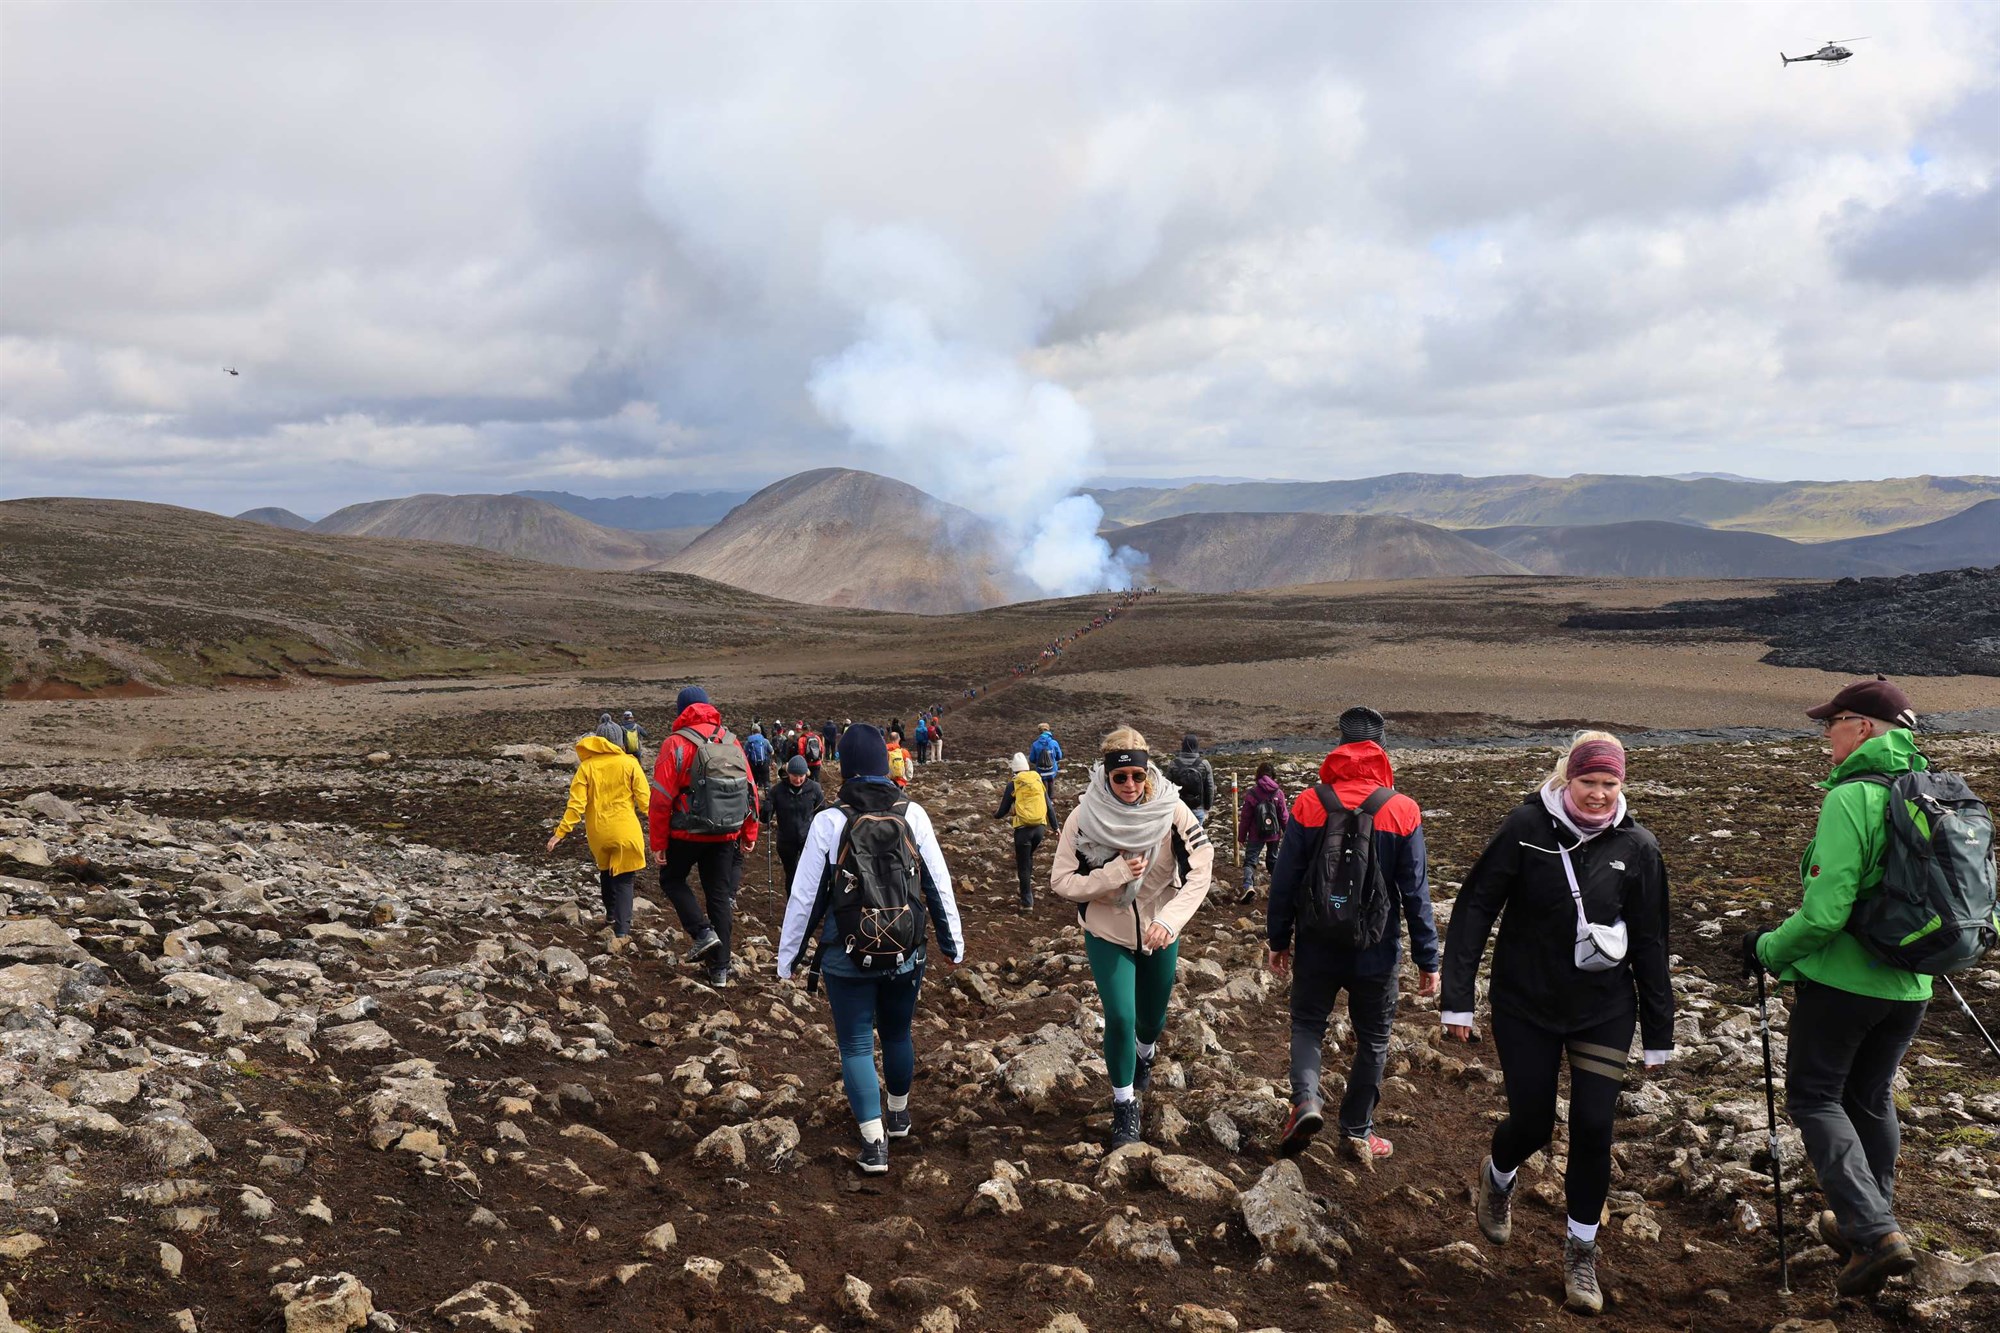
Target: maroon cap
(1878, 698)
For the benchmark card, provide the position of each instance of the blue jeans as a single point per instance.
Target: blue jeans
(863, 1007)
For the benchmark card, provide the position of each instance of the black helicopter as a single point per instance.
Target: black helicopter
(228, 370)
(1833, 53)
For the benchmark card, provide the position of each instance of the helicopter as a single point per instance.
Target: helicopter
(1832, 53)
(229, 370)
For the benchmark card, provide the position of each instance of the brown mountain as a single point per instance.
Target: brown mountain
(277, 518)
(1233, 552)
(511, 524)
(845, 538)
(1650, 550)
(1968, 538)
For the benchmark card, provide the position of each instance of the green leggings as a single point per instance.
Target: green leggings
(1135, 988)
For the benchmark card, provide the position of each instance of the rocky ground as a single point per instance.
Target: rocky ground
(329, 1045)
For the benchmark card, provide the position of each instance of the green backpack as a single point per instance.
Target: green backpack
(1934, 912)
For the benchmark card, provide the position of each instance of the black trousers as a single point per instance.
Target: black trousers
(616, 891)
(1531, 1059)
(719, 863)
(1840, 1063)
(788, 855)
(1026, 839)
(1319, 974)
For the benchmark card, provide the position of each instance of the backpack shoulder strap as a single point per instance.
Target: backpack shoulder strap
(1380, 797)
(1879, 779)
(1328, 801)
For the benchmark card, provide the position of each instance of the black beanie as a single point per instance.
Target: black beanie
(863, 753)
(1360, 724)
(1190, 743)
(797, 764)
(691, 695)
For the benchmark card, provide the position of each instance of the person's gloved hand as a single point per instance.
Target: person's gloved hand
(1752, 964)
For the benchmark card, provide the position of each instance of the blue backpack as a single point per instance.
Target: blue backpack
(757, 748)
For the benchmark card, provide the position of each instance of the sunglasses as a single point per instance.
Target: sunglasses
(1829, 723)
(1127, 777)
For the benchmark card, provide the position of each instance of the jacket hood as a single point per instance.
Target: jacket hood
(702, 714)
(1357, 762)
(1269, 786)
(1891, 754)
(587, 746)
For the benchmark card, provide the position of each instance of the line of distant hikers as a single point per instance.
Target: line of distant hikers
(1897, 885)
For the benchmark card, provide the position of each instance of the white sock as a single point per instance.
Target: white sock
(871, 1130)
(1146, 1049)
(1123, 1094)
(896, 1103)
(1504, 1179)
(1583, 1231)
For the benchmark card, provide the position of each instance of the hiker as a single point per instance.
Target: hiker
(902, 764)
(1854, 1014)
(811, 748)
(923, 739)
(1029, 804)
(872, 992)
(1353, 816)
(708, 824)
(1260, 826)
(790, 805)
(758, 751)
(1582, 956)
(1045, 756)
(633, 737)
(1195, 776)
(937, 739)
(829, 738)
(608, 793)
(1137, 864)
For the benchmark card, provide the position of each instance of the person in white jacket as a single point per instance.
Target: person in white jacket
(870, 1000)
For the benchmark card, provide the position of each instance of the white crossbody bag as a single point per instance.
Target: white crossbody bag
(1598, 948)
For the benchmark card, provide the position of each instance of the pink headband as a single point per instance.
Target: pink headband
(1596, 757)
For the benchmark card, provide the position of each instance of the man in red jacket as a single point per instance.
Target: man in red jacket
(680, 850)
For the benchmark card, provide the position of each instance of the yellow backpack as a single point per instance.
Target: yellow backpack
(1031, 799)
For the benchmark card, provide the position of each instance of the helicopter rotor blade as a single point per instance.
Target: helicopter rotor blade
(1842, 41)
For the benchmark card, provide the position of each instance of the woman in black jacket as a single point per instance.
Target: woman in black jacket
(1582, 958)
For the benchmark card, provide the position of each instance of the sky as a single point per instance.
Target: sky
(994, 250)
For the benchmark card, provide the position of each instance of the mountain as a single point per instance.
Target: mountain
(1234, 552)
(1651, 550)
(646, 513)
(1802, 510)
(1970, 537)
(840, 537)
(510, 524)
(123, 597)
(277, 518)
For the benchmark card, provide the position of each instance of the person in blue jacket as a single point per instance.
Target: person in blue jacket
(757, 750)
(1045, 757)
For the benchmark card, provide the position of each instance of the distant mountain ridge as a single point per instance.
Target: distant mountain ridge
(1238, 552)
(646, 513)
(1801, 510)
(1656, 550)
(510, 524)
(275, 517)
(1968, 538)
(841, 537)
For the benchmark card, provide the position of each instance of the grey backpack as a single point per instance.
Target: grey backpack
(1934, 912)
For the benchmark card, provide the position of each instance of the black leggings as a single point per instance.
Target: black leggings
(1026, 839)
(616, 891)
(1531, 1059)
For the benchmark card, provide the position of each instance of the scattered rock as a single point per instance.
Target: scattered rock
(1136, 1241)
(336, 1304)
(768, 1275)
(1941, 1274)
(487, 1306)
(1284, 1217)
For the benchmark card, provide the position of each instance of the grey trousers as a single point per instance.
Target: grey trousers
(1319, 974)
(1842, 1054)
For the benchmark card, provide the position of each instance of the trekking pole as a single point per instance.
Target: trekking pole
(1771, 1121)
(1235, 804)
(1969, 1014)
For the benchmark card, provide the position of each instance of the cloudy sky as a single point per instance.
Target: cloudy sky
(634, 249)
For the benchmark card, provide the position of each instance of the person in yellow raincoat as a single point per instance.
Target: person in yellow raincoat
(609, 793)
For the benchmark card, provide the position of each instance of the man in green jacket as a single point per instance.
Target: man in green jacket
(1853, 1016)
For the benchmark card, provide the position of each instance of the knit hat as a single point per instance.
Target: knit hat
(1019, 763)
(689, 695)
(1878, 698)
(1360, 724)
(628, 714)
(798, 765)
(1595, 757)
(1190, 743)
(863, 753)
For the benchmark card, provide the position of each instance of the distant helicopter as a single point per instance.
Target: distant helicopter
(229, 371)
(1832, 53)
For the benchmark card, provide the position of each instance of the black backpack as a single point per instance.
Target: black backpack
(718, 797)
(1346, 897)
(1934, 911)
(1265, 813)
(1184, 771)
(874, 887)
(810, 747)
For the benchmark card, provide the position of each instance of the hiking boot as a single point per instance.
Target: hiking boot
(1124, 1123)
(703, 947)
(896, 1124)
(1307, 1119)
(874, 1158)
(1867, 1270)
(1828, 1227)
(1580, 1289)
(1028, 903)
(1496, 1217)
(1142, 1073)
(718, 977)
(1369, 1149)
